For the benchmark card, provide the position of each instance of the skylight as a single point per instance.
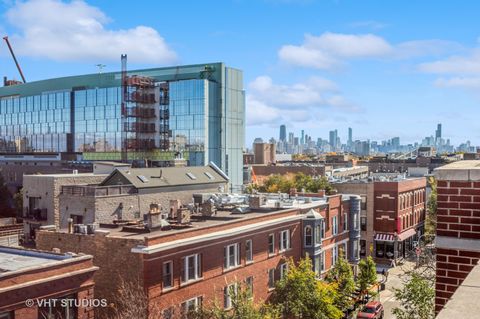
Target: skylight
(142, 178)
(191, 176)
(210, 176)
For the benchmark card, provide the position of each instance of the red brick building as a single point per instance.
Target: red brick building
(458, 226)
(37, 284)
(183, 267)
(399, 216)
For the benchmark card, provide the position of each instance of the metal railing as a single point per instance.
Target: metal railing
(98, 191)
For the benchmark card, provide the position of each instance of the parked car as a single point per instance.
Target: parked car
(372, 310)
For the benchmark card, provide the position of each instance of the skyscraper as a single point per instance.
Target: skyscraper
(302, 140)
(350, 136)
(438, 133)
(283, 133)
(333, 139)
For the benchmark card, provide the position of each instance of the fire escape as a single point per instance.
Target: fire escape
(141, 97)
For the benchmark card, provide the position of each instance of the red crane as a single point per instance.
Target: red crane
(14, 59)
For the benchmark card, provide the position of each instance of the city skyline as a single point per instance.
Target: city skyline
(305, 75)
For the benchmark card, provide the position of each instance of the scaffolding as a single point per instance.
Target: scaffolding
(142, 97)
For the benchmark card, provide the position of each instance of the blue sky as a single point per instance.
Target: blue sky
(386, 69)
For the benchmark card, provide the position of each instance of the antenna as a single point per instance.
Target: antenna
(100, 68)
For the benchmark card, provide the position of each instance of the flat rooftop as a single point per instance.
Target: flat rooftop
(222, 217)
(14, 259)
(459, 171)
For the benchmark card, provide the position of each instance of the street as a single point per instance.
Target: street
(394, 280)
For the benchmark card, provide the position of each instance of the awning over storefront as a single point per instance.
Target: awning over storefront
(406, 234)
(384, 237)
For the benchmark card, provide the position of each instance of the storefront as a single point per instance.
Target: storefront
(393, 246)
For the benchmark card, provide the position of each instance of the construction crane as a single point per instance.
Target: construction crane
(14, 58)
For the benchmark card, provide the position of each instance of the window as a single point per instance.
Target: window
(318, 234)
(271, 278)
(229, 292)
(323, 261)
(318, 265)
(248, 251)
(363, 223)
(285, 240)
(167, 313)
(167, 274)
(192, 269)
(355, 247)
(334, 225)
(334, 255)
(283, 269)
(355, 222)
(190, 305)
(271, 244)
(308, 236)
(323, 228)
(345, 221)
(231, 256)
(249, 285)
(363, 248)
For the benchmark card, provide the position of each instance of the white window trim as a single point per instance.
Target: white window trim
(247, 256)
(273, 279)
(186, 302)
(282, 249)
(334, 225)
(283, 270)
(171, 275)
(305, 236)
(228, 301)
(185, 265)
(236, 256)
(271, 235)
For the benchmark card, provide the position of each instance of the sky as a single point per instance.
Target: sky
(383, 68)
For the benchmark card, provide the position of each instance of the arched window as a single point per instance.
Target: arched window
(308, 236)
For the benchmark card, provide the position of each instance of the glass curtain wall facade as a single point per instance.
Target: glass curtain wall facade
(83, 115)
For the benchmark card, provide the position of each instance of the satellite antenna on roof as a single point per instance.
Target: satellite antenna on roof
(100, 68)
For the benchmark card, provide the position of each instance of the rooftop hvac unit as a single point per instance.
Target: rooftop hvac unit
(91, 229)
(80, 229)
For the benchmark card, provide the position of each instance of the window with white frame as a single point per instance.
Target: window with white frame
(271, 278)
(167, 274)
(283, 269)
(248, 251)
(284, 240)
(231, 256)
(334, 225)
(166, 313)
(308, 236)
(229, 292)
(318, 234)
(271, 244)
(249, 285)
(318, 265)
(192, 267)
(191, 305)
(334, 255)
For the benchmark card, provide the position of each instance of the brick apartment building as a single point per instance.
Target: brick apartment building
(64, 280)
(197, 262)
(392, 215)
(124, 194)
(458, 227)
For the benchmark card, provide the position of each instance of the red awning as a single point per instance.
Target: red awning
(406, 234)
(384, 237)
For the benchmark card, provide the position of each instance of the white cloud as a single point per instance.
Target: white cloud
(454, 64)
(330, 50)
(76, 31)
(327, 50)
(269, 103)
(462, 82)
(304, 93)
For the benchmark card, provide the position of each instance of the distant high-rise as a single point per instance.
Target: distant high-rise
(350, 136)
(302, 140)
(438, 133)
(290, 138)
(333, 139)
(283, 133)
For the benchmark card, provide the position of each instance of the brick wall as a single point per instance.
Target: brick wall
(458, 216)
(458, 226)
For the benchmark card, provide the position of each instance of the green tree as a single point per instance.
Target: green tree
(367, 275)
(342, 275)
(431, 218)
(18, 202)
(417, 299)
(6, 200)
(299, 294)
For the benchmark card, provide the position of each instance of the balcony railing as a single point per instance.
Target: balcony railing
(35, 213)
(98, 191)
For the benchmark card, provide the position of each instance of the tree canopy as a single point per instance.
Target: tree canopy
(341, 275)
(283, 183)
(417, 299)
(367, 275)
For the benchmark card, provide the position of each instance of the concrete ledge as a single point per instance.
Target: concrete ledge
(457, 243)
(464, 302)
(459, 171)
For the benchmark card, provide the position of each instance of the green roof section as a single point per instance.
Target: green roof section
(211, 71)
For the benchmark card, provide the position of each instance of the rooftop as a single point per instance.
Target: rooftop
(459, 171)
(13, 259)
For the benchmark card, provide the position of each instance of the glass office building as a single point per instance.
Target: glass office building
(82, 115)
